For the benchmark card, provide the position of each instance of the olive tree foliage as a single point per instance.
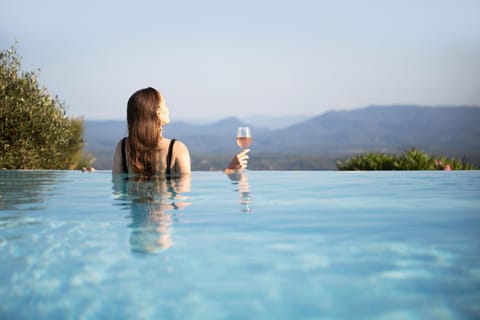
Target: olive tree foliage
(35, 133)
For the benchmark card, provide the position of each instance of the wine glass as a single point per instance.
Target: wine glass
(244, 139)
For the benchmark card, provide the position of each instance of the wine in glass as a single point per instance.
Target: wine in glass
(244, 139)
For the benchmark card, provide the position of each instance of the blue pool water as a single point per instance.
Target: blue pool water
(264, 245)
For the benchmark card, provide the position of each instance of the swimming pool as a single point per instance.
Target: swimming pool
(263, 245)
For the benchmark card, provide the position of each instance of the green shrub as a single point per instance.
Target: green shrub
(370, 161)
(415, 159)
(35, 133)
(412, 159)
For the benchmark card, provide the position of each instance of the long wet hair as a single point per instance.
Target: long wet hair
(144, 131)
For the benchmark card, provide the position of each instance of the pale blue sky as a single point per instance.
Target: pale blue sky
(213, 59)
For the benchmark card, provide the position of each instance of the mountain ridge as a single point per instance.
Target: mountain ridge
(336, 134)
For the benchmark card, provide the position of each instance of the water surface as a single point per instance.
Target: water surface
(264, 245)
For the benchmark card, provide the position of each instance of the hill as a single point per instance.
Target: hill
(318, 142)
(450, 129)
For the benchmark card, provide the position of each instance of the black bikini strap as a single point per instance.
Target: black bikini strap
(124, 155)
(169, 156)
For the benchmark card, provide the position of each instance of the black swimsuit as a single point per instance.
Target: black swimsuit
(124, 156)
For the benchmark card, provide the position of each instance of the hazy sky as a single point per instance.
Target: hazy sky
(213, 59)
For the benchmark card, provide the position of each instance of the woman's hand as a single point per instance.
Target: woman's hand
(239, 162)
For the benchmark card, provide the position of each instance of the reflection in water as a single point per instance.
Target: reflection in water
(25, 190)
(151, 204)
(240, 179)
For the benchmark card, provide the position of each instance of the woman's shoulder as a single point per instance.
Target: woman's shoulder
(121, 141)
(166, 142)
(117, 166)
(119, 144)
(182, 157)
(175, 145)
(179, 143)
(179, 148)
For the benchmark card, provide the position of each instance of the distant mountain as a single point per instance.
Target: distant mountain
(275, 122)
(316, 142)
(434, 129)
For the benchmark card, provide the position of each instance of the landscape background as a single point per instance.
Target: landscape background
(313, 143)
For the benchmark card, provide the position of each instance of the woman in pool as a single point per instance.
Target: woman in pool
(146, 152)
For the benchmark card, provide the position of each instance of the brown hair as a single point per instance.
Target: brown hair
(144, 130)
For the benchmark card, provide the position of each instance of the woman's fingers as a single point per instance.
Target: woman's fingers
(239, 161)
(242, 158)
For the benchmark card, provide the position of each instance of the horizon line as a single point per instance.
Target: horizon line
(206, 120)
